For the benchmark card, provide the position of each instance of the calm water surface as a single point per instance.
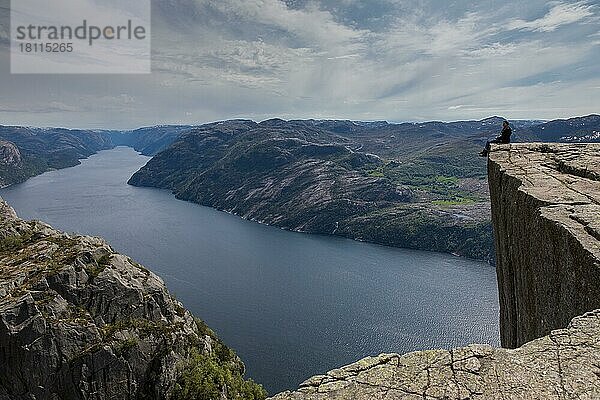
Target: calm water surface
(291, 305)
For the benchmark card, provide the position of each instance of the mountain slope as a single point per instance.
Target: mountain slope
(416, 185)
(572, 130)
(299, 176)
(45, 149)
(27, 152)
(80, 321)
(149, 140)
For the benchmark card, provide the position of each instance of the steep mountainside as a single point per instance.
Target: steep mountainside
(546, 213)
(9, 154)
(80, 321)
(150, 140)
(416, 185)
(10, 161)
(298, 176)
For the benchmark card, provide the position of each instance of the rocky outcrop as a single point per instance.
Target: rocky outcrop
(546, 216)
(10, 161)
(80, 321)
(9, 154)
(545, 201)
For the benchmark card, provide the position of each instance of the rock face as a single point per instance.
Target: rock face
(79, 321)
(9, 154)
(27, 152)
(150, 140)
(10, 160)
(546, 216)
(545, 201)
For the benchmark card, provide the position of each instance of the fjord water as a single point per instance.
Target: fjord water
(292, 305)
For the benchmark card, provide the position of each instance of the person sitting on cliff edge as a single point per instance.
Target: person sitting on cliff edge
(504, 138)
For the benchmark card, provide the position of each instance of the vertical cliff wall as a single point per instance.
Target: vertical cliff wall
(546, 216)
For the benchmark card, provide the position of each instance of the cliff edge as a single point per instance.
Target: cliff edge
(80, 321)
(546, 214)
(546, 217)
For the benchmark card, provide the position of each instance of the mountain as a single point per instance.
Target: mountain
(149, 140)
(329, 177)
(271, 174)
(415, 185)
(573, 130)
(11, 163)
(41, 149)
(9, 154)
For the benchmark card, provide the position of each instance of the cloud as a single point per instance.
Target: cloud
(256, 44)
(559, 15)
(52, 107)
(345, 56)
(253, 20)
(117, 103)
(492, 50)
(372, 59)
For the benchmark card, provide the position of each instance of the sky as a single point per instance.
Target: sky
(394, 60)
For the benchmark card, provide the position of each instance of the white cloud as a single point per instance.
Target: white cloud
(264, 43)
(559, 15)
(344, 57)
(258, 59)
(492, 50)
(311, 26)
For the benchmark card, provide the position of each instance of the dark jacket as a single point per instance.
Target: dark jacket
(505, 135)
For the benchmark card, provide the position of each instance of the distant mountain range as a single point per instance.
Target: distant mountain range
(415, 185)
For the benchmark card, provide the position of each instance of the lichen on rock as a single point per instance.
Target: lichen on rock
(563, 365)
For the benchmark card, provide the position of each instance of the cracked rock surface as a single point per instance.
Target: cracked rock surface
(546, 214)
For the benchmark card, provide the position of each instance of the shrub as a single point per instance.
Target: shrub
(205, 377)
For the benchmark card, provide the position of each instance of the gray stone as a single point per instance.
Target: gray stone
(9, 154)
(546, 216)
(562, 365)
